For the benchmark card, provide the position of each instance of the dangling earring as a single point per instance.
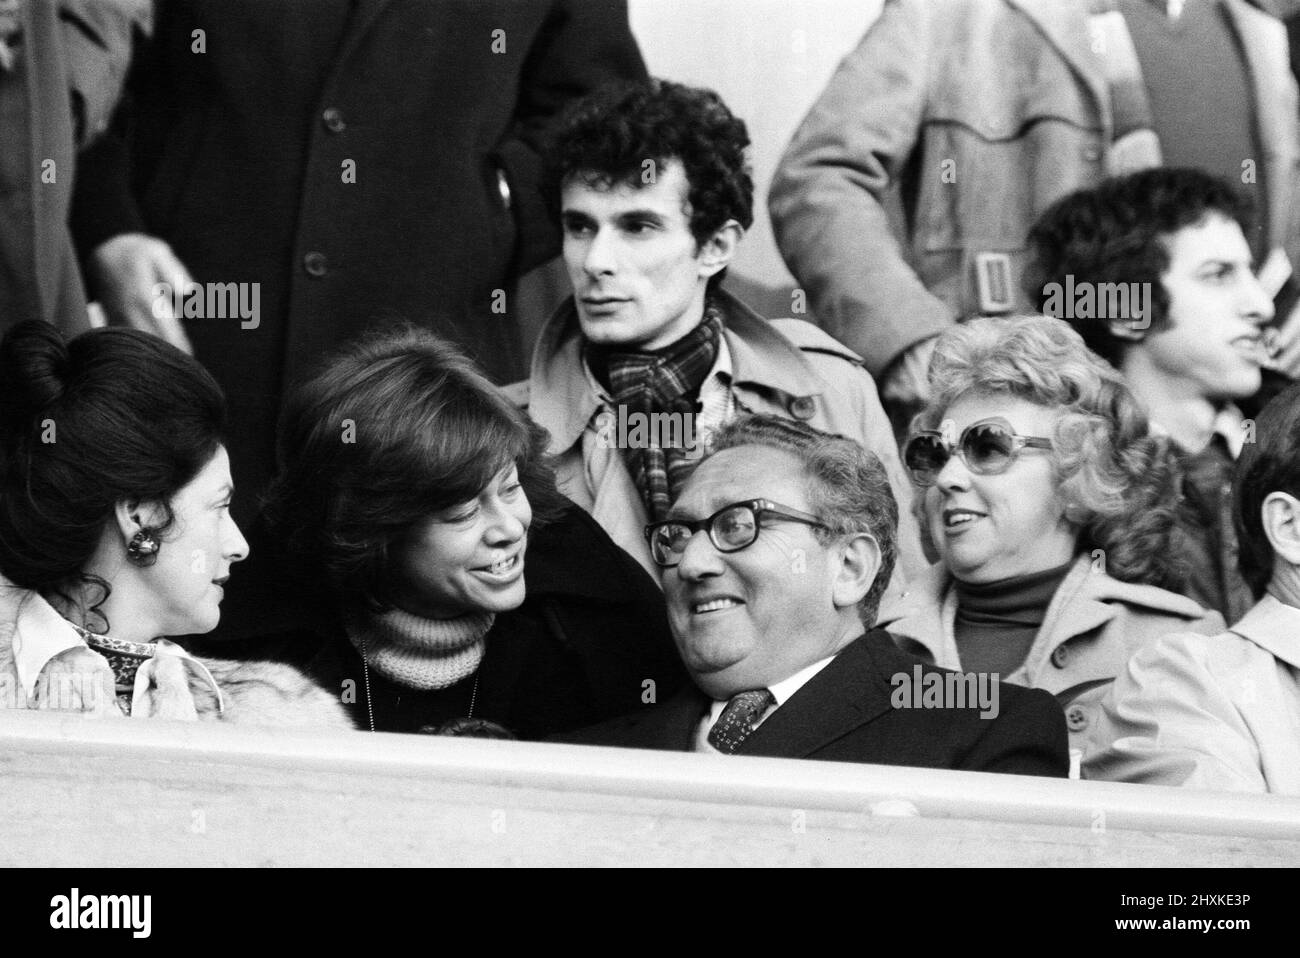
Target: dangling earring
(143, 548)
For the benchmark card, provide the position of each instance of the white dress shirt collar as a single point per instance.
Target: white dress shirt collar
(40, 634)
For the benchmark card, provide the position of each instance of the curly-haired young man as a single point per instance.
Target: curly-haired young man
(650, 354)
(1155, 272)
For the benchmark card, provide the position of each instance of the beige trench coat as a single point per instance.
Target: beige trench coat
(1094, 624)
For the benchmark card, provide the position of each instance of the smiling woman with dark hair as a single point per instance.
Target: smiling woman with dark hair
(460, 592)
(391, 432)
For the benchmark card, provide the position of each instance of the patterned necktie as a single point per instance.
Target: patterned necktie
(737, 720)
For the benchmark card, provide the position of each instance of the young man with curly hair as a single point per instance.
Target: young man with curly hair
(1155, 272)
(651, 354)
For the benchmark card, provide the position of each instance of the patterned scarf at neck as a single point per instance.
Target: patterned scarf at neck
(420, 653)
(124, 658)
(667, 380)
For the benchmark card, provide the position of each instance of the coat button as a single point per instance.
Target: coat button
(803, 407)
(333, 120)
(1060, 655)
(315, 264)
(1076, 718)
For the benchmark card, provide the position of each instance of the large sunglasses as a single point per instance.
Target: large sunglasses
(731, 528)
(987, 447)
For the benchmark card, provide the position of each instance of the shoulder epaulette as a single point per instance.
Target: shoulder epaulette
(811, 338)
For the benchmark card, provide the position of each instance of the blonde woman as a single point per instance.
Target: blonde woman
(1050, 507)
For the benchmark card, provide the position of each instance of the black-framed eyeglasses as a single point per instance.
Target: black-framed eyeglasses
(987, 447)
(731, 528)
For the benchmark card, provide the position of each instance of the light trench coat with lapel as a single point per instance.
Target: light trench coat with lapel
(1010, 97)
(1217, 712)
(1093, 625)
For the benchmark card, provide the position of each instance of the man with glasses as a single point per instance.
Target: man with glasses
(651, 353)
(775, 557)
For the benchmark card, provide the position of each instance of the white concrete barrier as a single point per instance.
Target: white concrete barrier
(79, 792)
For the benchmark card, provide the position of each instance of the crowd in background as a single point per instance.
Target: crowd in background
(1018, 492)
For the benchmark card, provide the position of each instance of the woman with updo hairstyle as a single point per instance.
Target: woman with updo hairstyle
(115, 532)
(1050, 506)
(447, 586)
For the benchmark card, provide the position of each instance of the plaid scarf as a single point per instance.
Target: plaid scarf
(667, 380)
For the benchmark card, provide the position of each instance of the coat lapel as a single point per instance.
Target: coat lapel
(363, 16)
(561, 398)
(1065, 24)
(844, 696)
(670, 726)
(921, 620)
(1076, 609)
(1275, 627)
(763, 360)
(1275, 112)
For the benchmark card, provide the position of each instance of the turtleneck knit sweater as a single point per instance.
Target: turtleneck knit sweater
(997, 622)
(420, 653)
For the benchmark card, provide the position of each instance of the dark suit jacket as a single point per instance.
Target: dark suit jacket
(845, 714)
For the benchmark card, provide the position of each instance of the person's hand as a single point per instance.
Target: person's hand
(77, 680)
(1282, 339)
(907, 383)
(130, 270)
(1284, 344)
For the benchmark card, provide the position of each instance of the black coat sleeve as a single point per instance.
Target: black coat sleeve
(104, 204)
(603, 606)
(652, 653)
(1028, 736)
